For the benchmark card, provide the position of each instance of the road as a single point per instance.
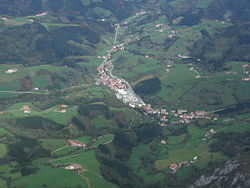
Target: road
(47, 91)
(22, 92)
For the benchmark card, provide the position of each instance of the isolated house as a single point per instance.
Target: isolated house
(174, 167)
(76, 143)
(26, 107)
(73, 166)
(27, 111)
(10, 71)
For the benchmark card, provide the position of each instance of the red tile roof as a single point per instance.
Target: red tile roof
(76, 142)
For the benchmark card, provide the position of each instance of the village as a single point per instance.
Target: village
(125, 93)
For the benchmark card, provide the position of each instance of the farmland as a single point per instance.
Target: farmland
(66, 73)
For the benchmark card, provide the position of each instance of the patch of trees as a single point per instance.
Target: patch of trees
(230, 44)
(113, 157)
(168, 42)
(178, 130)
(114, 170)
(37, 122)
(243, 107)
(148, 87)
(24, 151)
(19, 42)
(61, 36)
(121, 9)
(147, 132)
(238, 9)
(56, 5)
(90, 35)
(78, 124)
(19, 8)
(231, 144)
(26, 83)
(93, 110)
(190, 19)
(123, 143)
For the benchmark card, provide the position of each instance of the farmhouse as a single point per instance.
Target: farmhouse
(60, 110)
(174, 167)
(158, 25)
(73, 166)
(25, 107)
(246, 79)
(27, 111)
(76, 143)
(163, 141)
(10, 71)
(41, 14)
(209, 134)
(183, 56)
(63, 110)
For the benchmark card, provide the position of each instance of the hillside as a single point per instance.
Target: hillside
(68, 29)
(124, 93)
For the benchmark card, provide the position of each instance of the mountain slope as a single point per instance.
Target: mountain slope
(68, 28)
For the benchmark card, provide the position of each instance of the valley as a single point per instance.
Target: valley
(144, 97)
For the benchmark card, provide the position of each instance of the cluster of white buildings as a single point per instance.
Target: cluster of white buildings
(121, 88)
(118, 47)
(122, 91)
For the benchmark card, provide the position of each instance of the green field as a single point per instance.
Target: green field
(50, 177)
(138, 152)
(181, 89)
(101, 121)
(3, 150)
(3, 184)
(41, 77)
(4, 132)
(7, 171)
(103, 140)
(177, 149)
(57, 177)
(10, 86)
(15, 111)
(54, 144)
(138, 157)
(88, 161)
